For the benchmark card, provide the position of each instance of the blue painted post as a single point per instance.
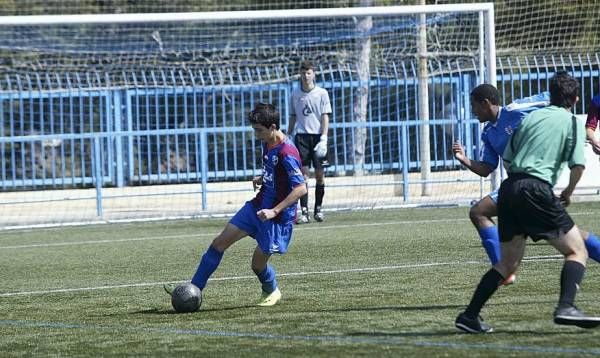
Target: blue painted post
(129, 127)
(468, 140)
(97, 175)
(117, 125)
(405, 160)
(204, 166)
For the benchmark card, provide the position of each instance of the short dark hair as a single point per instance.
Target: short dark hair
(306, 65)
(485, 91)
(264, 114)
(564, 90)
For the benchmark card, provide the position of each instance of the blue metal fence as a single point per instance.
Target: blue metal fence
(173, 127)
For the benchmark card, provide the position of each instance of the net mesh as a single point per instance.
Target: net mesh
(522, 26)
(114, 48)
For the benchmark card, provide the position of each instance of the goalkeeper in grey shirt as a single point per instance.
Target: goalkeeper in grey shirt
(309, 124)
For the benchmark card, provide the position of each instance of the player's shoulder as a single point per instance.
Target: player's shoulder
(596, 100)
(320, 90)
(508, 115)
(287, 147)
(527, 104)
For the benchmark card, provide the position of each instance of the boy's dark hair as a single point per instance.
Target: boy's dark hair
(564, 90)
(485, 91)
(306, 65)
(264, 114)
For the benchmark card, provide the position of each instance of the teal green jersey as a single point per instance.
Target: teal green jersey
(546, 139)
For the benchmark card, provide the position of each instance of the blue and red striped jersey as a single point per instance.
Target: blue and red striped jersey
(281, 174)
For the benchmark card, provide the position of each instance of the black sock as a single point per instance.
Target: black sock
(319, 194)
(487, 286)
(570, 278)
(304, 199)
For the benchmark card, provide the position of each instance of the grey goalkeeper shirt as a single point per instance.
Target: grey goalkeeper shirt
(308, 108)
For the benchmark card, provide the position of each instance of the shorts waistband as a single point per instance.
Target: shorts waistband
(517, 176)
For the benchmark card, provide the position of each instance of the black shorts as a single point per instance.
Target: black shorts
(527, 206)
(306, 147)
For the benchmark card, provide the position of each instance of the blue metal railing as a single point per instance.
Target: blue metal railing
(168, 127)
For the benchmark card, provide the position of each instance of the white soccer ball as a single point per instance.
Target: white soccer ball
(186, 298)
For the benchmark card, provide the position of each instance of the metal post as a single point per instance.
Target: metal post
(97, 170)
(204, 166)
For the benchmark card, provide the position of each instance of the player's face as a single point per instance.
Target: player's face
(483, 111)
(307, 76)
(263, 133)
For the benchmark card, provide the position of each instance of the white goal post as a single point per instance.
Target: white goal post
(46, 54)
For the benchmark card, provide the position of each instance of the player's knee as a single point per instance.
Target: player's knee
(219, 244)
(476, 215)
(578, 253)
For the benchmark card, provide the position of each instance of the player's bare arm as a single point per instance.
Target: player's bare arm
(291, 125)
(325, 124)
(480, 168)
(293, 196)
(594, 141)
(565, 195)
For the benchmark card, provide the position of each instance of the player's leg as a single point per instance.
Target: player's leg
(550, 221)
(303, 144)
(572, 247)
(481, 215)
(271, 237)
(212, 257)
(513, 242)
(512, 253)
(243, 223)
(266, 275)
(319, 192)
(304, 218)
(592, 244)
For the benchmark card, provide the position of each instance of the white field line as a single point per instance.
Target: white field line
(315, 227)
(303, 228)
(290, 274)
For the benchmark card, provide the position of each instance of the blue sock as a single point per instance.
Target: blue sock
(267, 279)
(208, 264)
(491, 243)
(592, 244)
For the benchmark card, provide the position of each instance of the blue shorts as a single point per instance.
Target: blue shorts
(272, 237)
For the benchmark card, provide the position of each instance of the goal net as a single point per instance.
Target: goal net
(139, 116)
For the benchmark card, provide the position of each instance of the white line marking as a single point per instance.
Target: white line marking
(93, 242)
(394, 338)
(291, 274)
(316, 227)
(304, 228)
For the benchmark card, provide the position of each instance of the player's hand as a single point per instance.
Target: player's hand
(321, 147)
(565, 198)
(595, 146)
(458, 150)
(257, 182)
(266, 214)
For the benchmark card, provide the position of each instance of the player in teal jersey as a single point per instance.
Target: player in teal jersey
(527, 206)
(500, 124)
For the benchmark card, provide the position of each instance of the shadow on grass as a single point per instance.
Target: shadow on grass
(453, 332)
(458, 307)
(168, 311)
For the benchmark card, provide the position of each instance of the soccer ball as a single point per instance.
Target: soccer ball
(186, 298)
